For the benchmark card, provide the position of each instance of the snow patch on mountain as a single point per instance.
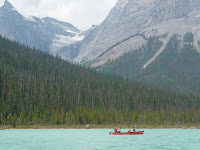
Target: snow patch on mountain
(60, 41)
(30, 18)
(13, 9)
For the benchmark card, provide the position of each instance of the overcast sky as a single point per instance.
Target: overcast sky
(81, 13)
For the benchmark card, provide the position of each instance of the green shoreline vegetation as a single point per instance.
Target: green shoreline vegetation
(81, 117)
(38, 90)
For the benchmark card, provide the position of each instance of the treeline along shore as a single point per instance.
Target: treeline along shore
(39, 89)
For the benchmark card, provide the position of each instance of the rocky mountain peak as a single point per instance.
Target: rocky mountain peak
(8, 5)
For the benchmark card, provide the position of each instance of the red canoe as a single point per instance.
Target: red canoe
(127, 133)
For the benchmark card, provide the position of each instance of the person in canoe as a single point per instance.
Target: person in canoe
(116, 131)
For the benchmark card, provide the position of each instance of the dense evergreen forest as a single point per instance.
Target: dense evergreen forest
(39, 89)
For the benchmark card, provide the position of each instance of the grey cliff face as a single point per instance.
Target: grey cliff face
(132, 17)
(46, 34)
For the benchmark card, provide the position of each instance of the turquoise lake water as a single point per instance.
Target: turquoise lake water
(99, 139)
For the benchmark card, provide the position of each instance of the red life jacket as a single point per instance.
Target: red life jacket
(115, 130)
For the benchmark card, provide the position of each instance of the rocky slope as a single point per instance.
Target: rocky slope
(131, 21)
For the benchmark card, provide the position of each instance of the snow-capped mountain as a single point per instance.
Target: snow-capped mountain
(46, 34)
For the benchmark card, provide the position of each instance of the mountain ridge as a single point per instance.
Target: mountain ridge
(140, 17)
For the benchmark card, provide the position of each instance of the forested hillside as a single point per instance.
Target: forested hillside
(176, 68)
(36, 88)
